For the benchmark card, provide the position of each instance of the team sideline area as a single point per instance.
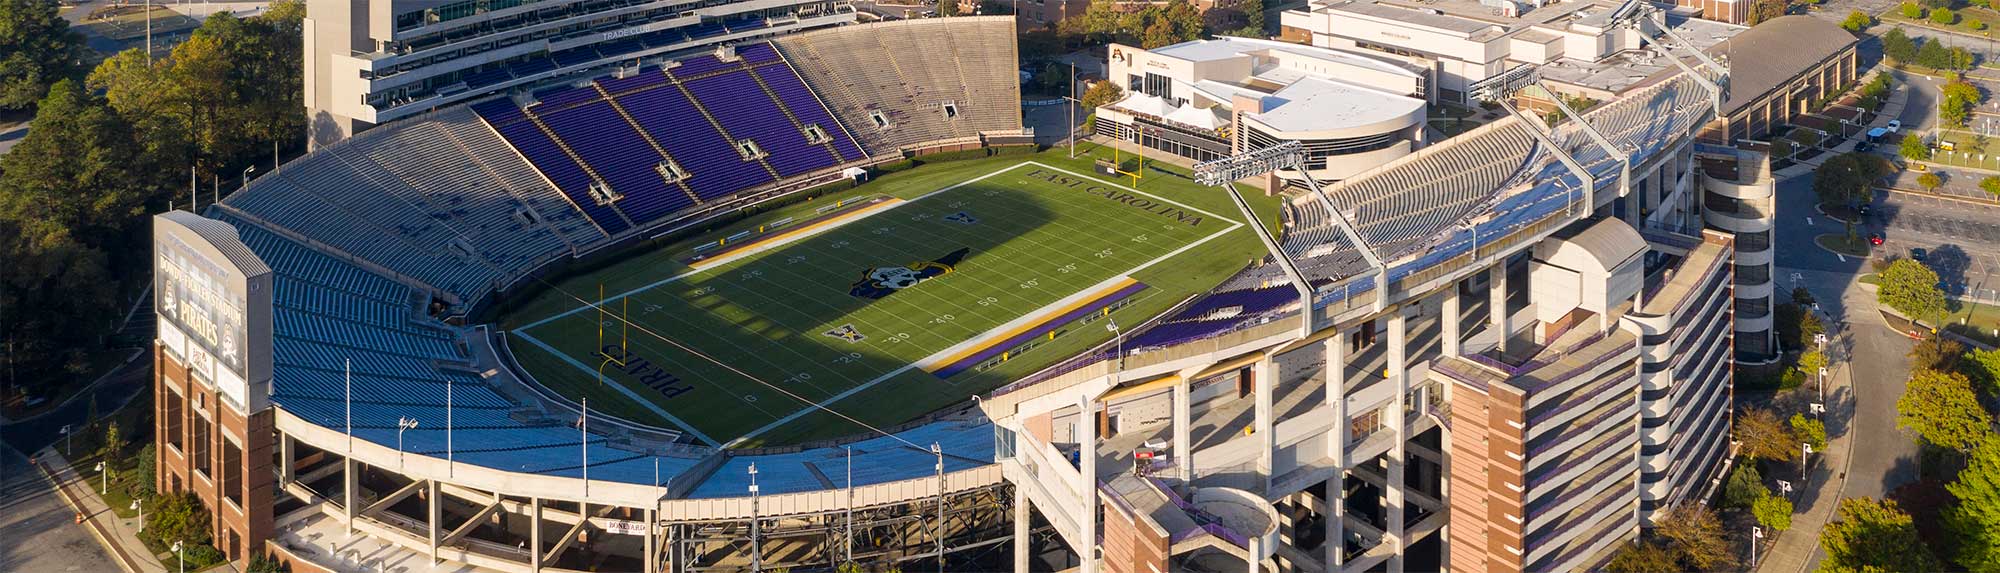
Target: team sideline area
(881, 303)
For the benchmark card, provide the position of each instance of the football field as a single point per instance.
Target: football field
(883, 309)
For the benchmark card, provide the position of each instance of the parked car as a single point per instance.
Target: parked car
(1875, 239)
(1864, 146)
(1895, 124)
(1918, 254)
(1864, 209)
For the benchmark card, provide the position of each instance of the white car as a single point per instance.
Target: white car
(1894, 125)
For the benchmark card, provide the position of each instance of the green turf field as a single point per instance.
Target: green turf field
(740, 352)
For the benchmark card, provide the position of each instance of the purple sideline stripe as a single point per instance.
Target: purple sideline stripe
(1039, 330)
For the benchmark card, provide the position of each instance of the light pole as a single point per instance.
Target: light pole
(103, 479)
(939, 453)
(756, 545)
(246, 177)
(65, 435)
(1756, 533)
(1119, 335)
(402, 424)
(141, 510)
(849, 528)
(180, 558)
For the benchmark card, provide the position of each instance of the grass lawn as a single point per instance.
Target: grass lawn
(1843, 244)
(861, 315)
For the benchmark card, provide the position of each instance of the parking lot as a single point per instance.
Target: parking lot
(1960, 240)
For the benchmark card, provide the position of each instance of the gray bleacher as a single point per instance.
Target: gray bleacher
(907, 70)
(437, 198)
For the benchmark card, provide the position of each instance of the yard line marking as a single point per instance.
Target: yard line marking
(692, 272)
(827, 404)
(696, 432)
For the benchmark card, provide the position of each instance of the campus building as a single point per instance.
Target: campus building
(372, 61)
(1783, 69)
(1205, 99)
(1572, 43)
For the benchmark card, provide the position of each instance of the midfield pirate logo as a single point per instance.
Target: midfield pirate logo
(846, 332)
(879, 282)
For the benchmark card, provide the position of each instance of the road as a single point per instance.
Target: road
(36, 533)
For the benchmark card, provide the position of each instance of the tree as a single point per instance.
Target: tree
(1897, 45)
(37, 49)
(1983, 368)
(1101, 94)
(1745, 486)
(113, 443)
(1809, 431)
(1943, 410)
(1936, 353)
(1774, 512)
(1695, 535)
(1846, 179)
(1912, 11)
(1974, 24)
(1641, 556)
(1763, 436)
(1975, 521)
(1991, 185)
(177, 516)
(1944, 16)
(1959, 99)
(1911, 288)
(947, 8)
(1932, 54)
(1254, 10)
(1811, 361)
(1857, 21)
(1930, 181)
(1873, 536)
(143, 473)
(1766, 10)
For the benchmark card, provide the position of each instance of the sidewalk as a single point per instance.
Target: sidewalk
(1815, 501)
(120, 537)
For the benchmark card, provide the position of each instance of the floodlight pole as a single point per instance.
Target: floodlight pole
(756, 545)
(936, 451)
(849, 528)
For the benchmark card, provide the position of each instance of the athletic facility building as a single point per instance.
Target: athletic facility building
(1207, 99)
(373, 61)
(650, 322)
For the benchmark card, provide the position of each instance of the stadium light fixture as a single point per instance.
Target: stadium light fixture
(939, 452)
(402, 425)
(756, 544)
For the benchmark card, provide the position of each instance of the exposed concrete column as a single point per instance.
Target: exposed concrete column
(1263, 381)
(535, 535)
(287, 470)
(1399, 374)
(1183, 430)
(652, 541)
(348, 483)
(1023, 515)
(1336, 487)
(1496, 305)
(1086, 426)
(432, 500)
(1256, 548)
(1449, 322)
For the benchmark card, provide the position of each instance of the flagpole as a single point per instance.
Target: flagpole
(584, 425)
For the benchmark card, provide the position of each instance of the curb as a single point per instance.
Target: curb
(125, 562)
(1956, 198)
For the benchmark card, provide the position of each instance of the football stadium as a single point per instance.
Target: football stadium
(817, 302)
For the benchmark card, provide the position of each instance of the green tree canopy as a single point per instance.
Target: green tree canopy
(1744, 487)
(1930, 180)
(1873, 535)
(1898, 45)
(1975, 521)
(1856, 21)
(1983, 368)
(37, 48)
(1846, 179)
(1932, 54)
(1774, 512)
(1102, 93)
(1944, 16)
(1809, 431)
(1912, 11)
(1943, 410)
(1912, 289)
